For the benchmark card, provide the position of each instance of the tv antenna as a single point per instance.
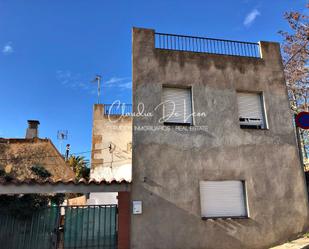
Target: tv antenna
(61, 136)
(98, 80)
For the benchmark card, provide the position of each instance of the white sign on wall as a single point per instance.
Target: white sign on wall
(137, 207)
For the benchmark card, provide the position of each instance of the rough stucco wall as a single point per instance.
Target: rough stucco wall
(116, 131)
(168, 165)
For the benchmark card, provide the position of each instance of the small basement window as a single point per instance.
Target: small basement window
(223, 199)
(177, 106)
(251, 111)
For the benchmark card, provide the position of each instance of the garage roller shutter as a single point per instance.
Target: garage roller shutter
(177, 105)
(222, 199)
(250, 109)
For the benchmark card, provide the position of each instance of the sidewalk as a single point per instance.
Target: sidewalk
(300, 243)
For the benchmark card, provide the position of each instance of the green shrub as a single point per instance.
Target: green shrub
(40, 171)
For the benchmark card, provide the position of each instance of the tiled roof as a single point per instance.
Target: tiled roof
(55, 182)
(19, 156)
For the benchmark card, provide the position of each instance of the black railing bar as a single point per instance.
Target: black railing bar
(207, 52)
(175, 42)
(206, 38)
(246, 50)
(238, 50)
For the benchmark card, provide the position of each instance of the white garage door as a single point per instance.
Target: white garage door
(222, 199)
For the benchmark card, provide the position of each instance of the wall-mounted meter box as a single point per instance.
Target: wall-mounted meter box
(137, 207)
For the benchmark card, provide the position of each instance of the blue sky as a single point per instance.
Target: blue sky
(51, 50)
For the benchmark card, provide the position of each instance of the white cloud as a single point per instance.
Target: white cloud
(118, 82)
(250, 18)
(126, 85)
(85, 83)
(72, 80)
(115, 80)
(7, 48)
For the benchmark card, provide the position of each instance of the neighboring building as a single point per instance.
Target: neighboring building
(111, 157)
(228, 176)
(30, 158)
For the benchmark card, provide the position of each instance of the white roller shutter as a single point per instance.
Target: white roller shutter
(250, 109)
(177, 106)
(222, 199)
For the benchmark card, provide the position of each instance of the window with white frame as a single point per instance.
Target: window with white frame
(251, 110)
(177, 105)
(222, 199)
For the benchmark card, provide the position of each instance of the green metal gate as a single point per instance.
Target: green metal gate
(90, 227)
(79, 227)
(39, 231)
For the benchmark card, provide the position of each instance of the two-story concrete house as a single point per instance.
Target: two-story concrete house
(216, 164)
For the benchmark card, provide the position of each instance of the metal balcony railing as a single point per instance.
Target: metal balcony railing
(118, 109)
(206, 45)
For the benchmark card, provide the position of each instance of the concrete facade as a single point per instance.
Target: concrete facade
(111, 156)
(169, 164)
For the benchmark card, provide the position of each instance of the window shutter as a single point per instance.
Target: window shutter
(222, 199)
(250, 109)
(177, 105)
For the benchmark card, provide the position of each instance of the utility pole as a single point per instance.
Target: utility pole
(98, 80)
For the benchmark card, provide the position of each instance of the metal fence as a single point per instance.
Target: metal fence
(39, 231)
(65, 227)
(118, 109)
(206, 45)
(90, 227)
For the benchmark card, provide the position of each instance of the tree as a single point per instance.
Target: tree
(295, 57)
(295, 49)
(80, 166)
(24, 205)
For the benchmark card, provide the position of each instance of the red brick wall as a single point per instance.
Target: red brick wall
(124, 211)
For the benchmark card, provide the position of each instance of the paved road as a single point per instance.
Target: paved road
(300, 243)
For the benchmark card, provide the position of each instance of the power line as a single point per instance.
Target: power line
(41, 157)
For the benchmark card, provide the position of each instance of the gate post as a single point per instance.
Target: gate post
(124, 211)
